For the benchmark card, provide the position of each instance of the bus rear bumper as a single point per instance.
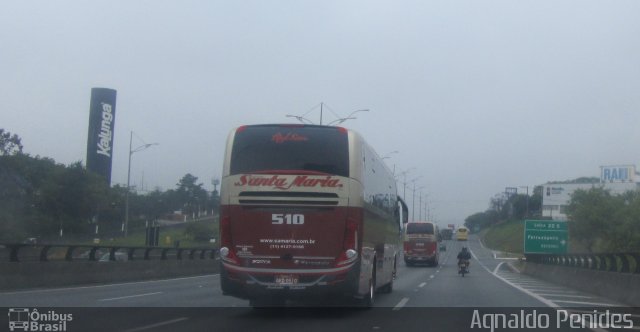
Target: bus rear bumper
(247, 285)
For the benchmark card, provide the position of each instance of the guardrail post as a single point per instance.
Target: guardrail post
(179, 254)
(69, 255)
(43, 253)
(130, 253)
(625, 263)
(614, 263)
(602, 263)
(92, 254)
(146, 254)
(636, 258)
(164, 254)
(13, 256)
(593, 264)
(112, 253)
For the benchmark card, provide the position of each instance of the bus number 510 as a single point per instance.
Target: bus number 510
(289, 219)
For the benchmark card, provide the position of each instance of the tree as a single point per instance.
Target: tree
(191, 194)
(591, 213)
(481, 219)
(9, 144)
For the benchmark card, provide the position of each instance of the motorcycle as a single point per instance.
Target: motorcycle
(463, 267)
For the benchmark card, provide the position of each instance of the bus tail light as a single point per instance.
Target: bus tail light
(225, 230)
(350, 235)
(350, 243)
(226, 248)
(433, 247)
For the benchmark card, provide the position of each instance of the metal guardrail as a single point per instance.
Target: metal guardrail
(612, 262)
(43, 252)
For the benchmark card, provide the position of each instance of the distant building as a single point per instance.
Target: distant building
(557, 196)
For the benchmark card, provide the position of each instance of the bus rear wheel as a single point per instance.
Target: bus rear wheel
(369, 298)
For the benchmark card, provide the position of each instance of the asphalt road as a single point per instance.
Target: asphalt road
(434, 298)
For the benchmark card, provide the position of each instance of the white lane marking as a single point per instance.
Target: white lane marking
(565, 295)
(431, 276)
(130, 296)
(109, 285)
(535, 296)
(497, 268)
(549, 289)
(401, 303)
(595, 304)
(153, 326)
(422, 284)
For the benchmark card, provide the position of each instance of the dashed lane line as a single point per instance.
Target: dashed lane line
(595, 304)
(422, 284)
(153, 326)
(108, 285)
(565, 295)
(129, 296)
(401, 304)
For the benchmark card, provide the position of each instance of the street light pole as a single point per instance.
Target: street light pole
(527, 211)
(404, 182)
(413, 199)
(125, 225)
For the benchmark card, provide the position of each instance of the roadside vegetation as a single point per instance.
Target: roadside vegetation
(599, 221)
(44, 201)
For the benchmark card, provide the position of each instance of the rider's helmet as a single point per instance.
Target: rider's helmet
(464, 248)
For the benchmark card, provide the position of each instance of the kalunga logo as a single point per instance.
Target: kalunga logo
(106, 135)
(283, 183)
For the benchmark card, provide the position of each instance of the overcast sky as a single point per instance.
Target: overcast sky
(475, 95)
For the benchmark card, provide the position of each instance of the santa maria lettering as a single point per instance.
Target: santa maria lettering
(284, 183)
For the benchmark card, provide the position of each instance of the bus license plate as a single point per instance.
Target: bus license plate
(419, 244)
(286, 279)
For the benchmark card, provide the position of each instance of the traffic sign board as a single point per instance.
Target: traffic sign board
(545, 237)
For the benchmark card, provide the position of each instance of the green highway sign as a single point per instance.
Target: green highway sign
(545, 237)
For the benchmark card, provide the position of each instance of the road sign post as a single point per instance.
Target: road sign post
(545, 237)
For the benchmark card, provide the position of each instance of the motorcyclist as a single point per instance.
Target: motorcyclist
(464, 256)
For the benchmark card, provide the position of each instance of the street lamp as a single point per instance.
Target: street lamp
(348, 117)
(413, 198)
(125, 225)
(527, 211)
(388, 155)
(425, 204)
(299, 118)
(404, 181)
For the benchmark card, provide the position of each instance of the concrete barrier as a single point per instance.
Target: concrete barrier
(621, 287)
(14, 276)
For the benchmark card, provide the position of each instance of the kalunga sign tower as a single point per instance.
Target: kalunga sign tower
(101, 129)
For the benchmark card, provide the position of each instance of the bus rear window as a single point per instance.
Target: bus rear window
(265, 148)
(419, 228)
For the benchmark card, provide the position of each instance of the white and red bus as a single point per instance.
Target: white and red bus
(307, 210)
